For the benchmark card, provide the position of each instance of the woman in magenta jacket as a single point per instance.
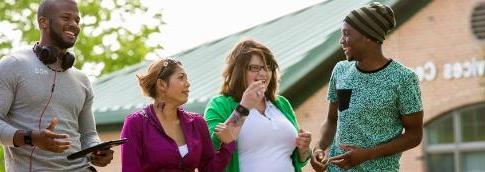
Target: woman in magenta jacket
(163, 136)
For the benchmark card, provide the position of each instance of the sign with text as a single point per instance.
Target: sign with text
(474, 67)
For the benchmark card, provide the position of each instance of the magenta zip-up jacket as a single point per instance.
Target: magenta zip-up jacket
(150, 149)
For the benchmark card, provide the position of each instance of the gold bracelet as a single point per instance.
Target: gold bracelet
(315, 150)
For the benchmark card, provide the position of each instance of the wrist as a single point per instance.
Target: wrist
(304, 149)
(305, 153)
(244, 104)
(28, 138)
(371, 153)
(242, 110)
(35, 137)
(18, 138)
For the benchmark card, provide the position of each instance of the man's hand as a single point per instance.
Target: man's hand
(319, 161)
(48, 140)
(225, 133)
(101, 158)
(352, 157)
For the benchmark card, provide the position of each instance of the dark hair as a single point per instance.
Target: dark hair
(44, 7)
(159, 69)
(237, 62)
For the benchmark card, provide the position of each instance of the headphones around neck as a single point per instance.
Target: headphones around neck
(48, 55)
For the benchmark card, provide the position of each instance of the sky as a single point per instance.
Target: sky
(190, 23)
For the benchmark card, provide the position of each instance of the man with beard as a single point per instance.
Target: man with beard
(372, 99)
(45, 103)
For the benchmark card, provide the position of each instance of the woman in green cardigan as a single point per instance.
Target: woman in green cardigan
(270, 139)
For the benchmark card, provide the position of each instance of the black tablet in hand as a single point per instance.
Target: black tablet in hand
(101, 146)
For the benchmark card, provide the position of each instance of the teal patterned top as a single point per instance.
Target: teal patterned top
(370, 105)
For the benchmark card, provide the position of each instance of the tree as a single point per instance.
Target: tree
(114, 33)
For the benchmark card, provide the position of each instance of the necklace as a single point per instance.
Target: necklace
(263, 113)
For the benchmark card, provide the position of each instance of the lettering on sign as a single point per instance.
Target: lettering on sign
(457, 70)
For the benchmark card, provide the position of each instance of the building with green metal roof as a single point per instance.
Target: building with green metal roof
(442, 40)
(305, 44)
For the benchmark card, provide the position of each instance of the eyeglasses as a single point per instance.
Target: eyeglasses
(257, 68)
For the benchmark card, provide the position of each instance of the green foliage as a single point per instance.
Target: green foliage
(99, 24)
(108, 33)
(2, 166)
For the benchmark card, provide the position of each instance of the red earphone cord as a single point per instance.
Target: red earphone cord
(41, 115)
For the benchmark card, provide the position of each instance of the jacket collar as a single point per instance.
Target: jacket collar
(181, 114)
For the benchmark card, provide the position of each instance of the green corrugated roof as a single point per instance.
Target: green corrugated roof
(301, 42)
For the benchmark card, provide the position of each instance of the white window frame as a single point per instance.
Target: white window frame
(458, 147)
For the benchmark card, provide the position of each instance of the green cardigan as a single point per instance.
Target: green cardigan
(221, 107)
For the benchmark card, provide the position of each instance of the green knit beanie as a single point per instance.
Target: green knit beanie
(374, 21)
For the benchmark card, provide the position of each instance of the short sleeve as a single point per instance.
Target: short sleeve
(409, 95)
(332, 87)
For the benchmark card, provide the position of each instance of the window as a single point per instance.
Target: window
(442, 162)
(439, 132)
(473, 161)
(456, 141)
(471, 123)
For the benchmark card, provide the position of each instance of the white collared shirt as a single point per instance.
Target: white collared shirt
(266, 143)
